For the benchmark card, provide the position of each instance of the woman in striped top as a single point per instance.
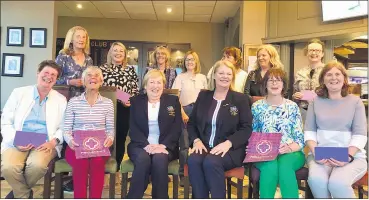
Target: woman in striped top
(90, 111)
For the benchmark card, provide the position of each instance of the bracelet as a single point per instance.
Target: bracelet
(352, 158)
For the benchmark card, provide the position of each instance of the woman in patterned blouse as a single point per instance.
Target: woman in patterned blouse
(161, 61)
(275, 114)
(74, 59)
(307, 77)
(117, 73)
(267, 58)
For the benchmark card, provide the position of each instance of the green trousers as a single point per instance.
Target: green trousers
(280, 171)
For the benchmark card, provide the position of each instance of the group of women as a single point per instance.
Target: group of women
(214, 116)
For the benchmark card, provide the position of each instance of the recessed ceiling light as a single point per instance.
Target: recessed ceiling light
(79, 6)
(169, 10)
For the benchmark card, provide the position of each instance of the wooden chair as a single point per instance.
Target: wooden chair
(236, 172)
(254, 177)
(360, 186)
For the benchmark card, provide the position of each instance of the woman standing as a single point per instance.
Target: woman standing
(73, 59)
(118, 74)
(275, 114)
(307, 77)
(267, 58)
(161, 61)
(189, 83)
(335, 119)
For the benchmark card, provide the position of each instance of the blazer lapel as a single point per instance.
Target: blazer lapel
(224, 109)
(204, 107)
(162, 113)
(145, 118)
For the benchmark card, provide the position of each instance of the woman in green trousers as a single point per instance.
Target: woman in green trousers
(275, 114)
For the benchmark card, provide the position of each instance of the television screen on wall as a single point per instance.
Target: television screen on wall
(337, 10)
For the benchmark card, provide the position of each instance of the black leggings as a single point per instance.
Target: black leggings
(122, 127)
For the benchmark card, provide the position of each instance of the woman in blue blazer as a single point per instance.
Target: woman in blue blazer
(219, 128)
(155, 127)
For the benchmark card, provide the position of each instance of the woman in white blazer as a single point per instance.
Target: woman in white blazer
(36, 108)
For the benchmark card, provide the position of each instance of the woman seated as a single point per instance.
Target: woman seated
(219, 128)
(275, 114)
(89, 111)
(155, 127)
(335, 119)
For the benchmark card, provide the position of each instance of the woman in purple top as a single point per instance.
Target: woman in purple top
(161, 61)
(73, 59)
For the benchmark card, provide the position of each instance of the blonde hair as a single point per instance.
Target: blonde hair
(109, 59)
(92, 69)
(167, 53)
(218, 64)
(154, 73)
(275, 61)
(236, 53)
(68, 44)
(322, 90)
(197, 61)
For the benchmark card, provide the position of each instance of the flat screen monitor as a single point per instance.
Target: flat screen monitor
(338, 10)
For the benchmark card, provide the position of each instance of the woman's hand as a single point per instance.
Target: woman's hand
(25, 148)
(298, 95)
(336, 163)
(284, 148)
(47, 147)
(198, 146)
(75, 82)
(159, 150)
(185, 118)
(222, 148)
(108, 142)
(72, 144)
(127, 104)
(151, 148)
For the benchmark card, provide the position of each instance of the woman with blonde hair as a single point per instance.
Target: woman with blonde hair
(74, 58)
(267, 58)
(189, 83)
(161, 61)
(335, 118)
(119, 74)
(155, 127)
(219, 128)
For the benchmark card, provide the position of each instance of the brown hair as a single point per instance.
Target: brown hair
(276, 73)
(322, 90)
(236, 53)
(315, 40)
(50, 63)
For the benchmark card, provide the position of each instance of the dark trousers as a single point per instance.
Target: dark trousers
(122, 131)
(145, 165)
(184, 142)
(206, 173)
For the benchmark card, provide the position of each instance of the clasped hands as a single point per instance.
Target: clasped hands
(331, 162)
(156, 148)
(47, 147)
(221, 148)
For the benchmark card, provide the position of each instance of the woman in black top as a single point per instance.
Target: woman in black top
(219, 128)
(117, 73)
(267, 58)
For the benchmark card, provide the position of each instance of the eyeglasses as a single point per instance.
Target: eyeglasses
(190, 60)
(272, 81)
(314, 50)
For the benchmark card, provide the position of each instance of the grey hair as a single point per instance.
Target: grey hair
(89, 69)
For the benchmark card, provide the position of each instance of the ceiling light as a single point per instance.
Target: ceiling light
(79, 6)
(169, 10)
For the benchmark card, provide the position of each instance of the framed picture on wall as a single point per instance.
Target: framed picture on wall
(12, 65)
(37, 37)
(15, 36)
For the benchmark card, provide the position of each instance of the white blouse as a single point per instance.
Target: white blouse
(153, 114)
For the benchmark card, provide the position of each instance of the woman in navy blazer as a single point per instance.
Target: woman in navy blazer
(219, 128)
(155, 127)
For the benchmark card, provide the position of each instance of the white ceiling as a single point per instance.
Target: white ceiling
(188, 11)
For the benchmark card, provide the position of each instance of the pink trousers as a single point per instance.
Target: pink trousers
(82, 168)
